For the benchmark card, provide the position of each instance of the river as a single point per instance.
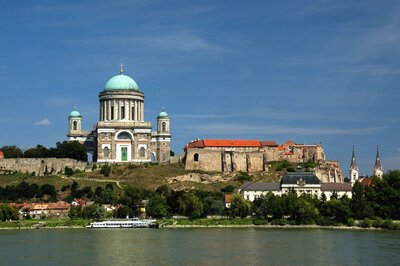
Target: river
(199, 247)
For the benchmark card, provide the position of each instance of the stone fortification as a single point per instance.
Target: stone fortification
(41, 166)
(329, 172)
(253, 156)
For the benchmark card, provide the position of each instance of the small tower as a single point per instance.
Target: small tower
(163, 137)
(378, 170)
(75, 126)
(353, 171)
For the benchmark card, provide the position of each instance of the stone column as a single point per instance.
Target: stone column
(108, 110)
(116, 111)
(136, 110)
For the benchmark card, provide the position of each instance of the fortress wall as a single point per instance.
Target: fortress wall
(39, 165)
(209, 160)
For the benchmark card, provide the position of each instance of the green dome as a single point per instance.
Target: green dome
(163, 114)
(121, 82)
(74, 113)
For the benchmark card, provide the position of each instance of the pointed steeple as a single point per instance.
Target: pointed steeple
(378, 170)
(353, 164)
(378, 165)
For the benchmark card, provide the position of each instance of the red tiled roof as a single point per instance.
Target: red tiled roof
(228, 198)
(288, 143)
(269, 143)
(1, 154)
(288, 153)
(223, 143)
(366, 181)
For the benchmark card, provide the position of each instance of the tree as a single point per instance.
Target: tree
(239, 207)
(123, 212)
(190, 205)
(75, 212)
(359, 205)
(94, 211)
(105, 170)
(157, 206)
(8, 213)
(69, 149)
(39, 152)
(12, 152)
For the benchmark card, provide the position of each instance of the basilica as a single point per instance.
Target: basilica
(122, 134)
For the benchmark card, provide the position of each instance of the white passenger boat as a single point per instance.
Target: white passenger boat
(132, 223)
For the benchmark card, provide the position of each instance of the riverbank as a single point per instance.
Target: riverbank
(178, 223)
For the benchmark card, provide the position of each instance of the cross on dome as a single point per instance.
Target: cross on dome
(121, 68)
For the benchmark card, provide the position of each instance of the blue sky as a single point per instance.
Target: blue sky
(311, 71)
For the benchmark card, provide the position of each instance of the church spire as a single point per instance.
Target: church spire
(377, 160)
(353, 164)
(378, 170)
(353, 171)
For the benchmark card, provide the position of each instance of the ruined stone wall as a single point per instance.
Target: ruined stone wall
(41, 165)
(221, 160)
(208, 160)
(329, 171)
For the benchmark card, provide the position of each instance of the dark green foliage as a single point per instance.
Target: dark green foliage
(228, 189)
(123, 212)
(243, 177)
(75, 212)
(94, 211)
(105, 170)
(157, 207)
(12, 152)
(39, 152)
(68, 171)
(8, 213)
(190, 205)
(239, 207)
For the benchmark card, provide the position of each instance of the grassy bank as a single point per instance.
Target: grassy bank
(50, 223)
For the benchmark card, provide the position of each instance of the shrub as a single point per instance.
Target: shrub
(105, 170)
(366, 223)
(377, 223)
(260, 222)
(281, 221)
(243, 176)
(324, 221)
(351, 222)
(68, 171)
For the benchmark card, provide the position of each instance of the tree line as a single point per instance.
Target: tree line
(378, 202)
(66, 149)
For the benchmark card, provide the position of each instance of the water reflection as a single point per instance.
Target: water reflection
(198, 247)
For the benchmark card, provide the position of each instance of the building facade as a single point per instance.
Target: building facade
(299, 182)
(122, 134)
(253, 156)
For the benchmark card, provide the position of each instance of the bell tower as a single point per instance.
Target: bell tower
(378, 170)
(75, 127)
(163, 138)
(353, 171)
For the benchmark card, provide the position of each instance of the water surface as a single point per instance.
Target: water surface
(198, 247)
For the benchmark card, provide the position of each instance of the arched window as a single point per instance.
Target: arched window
(75, 125)
(196, 157)
(152, 157)
(124, 135)
(142, 152)
(164, 158)
(163, 126)
(106, 152)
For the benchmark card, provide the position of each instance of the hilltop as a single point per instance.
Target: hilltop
(148, 176)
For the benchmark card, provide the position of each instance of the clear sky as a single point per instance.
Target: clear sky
(311, 71)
